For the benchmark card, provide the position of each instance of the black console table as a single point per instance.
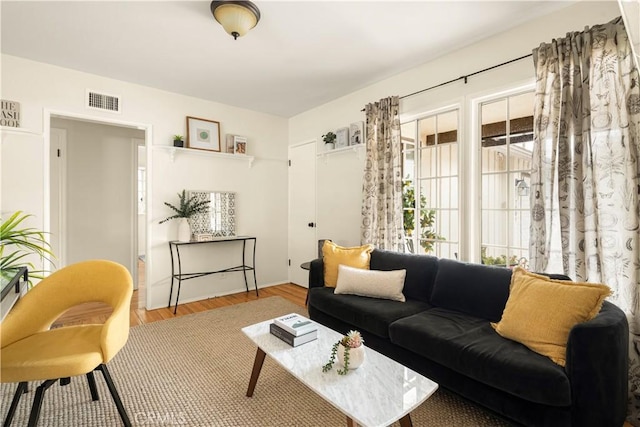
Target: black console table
(179, 276)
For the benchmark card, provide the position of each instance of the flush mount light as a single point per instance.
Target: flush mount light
(236, 17)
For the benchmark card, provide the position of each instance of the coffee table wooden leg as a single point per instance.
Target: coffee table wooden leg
(406, 421)
(351, 423)
(257, 366)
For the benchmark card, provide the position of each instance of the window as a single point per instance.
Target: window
(507, 145)
(430, 187)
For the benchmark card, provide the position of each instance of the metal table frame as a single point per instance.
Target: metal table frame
(174, 246)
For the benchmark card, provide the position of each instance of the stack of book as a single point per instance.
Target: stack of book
(294, 329)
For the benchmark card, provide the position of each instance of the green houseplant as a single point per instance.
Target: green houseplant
(188, 207)
(178, 141)
(350, 352)
(329, 139)
(18, 242)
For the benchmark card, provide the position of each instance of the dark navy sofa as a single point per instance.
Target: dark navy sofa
(443, 332)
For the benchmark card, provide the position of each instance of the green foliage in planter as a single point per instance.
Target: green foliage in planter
(427, 217)
(187, 208)
(500, 260)
(18, 242)
(329, 138)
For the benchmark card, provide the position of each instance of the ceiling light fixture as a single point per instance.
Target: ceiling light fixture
(236, 17)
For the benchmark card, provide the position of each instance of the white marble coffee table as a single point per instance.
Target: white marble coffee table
(378, 393)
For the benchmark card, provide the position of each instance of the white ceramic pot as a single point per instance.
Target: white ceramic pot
(184, 230)
(356, 356)
(329, 146)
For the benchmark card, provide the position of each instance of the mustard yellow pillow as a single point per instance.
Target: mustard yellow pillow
(334, 255)
(541, 311)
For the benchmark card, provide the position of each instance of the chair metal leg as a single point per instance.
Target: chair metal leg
(37, 402)
(114, 393)
(92, 386)
(22, 388)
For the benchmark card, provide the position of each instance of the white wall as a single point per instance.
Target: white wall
(262, 190)
(100, 191)
(340, 176)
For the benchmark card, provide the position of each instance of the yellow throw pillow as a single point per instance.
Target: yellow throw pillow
(541, 311)
(334, 255)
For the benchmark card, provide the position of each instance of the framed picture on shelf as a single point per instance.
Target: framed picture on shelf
(203, 134)
(342, 137)
(356, 133)
(239, 144)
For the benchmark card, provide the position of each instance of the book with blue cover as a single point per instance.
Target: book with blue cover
(295, 324)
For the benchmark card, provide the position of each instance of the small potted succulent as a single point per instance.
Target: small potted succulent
(329, 141)
(350, 353)
(178, 141)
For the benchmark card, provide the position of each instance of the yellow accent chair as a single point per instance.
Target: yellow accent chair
(31, 351)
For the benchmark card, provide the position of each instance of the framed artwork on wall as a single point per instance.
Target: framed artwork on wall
(356, 133)
(342, 137)
(203, 134)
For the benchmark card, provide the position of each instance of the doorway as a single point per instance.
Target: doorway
(302, 210)
(94, 192)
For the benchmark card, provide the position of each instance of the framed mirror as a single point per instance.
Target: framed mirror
(220, 220)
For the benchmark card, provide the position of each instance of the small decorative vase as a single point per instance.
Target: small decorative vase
(329, 146)
(178, 143)
(184, 230)
(356, 356)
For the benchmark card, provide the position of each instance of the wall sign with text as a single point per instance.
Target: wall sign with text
(9, 113)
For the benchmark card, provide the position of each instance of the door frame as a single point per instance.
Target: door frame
(148, 139)
(315, 202)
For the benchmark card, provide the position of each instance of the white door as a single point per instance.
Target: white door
(58, 156)
(302, 210)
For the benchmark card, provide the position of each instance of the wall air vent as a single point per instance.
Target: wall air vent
(103, 102)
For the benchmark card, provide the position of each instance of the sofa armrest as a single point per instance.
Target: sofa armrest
(597, 367)
(316, 274)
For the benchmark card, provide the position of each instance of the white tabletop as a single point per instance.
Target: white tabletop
(378, 393)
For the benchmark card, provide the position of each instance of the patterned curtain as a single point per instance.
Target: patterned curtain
(586, 169)
(382, 183)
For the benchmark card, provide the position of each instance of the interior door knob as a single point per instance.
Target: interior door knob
(312, 224)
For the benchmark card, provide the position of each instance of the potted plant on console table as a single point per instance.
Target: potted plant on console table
(187, 208)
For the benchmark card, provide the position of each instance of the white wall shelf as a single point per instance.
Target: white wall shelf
(357, 149)
(173, 151)
(18, 131)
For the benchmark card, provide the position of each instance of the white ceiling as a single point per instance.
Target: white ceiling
(302, 53)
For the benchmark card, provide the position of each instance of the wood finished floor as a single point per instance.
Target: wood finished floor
(98, 312)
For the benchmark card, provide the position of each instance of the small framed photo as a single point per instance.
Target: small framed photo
(239, 145)
(356, 133)
(342, 137)
(203, 134)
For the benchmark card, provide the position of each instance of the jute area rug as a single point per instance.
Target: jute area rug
(194, 370)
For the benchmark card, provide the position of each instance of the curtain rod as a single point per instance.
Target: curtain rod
(465, 77)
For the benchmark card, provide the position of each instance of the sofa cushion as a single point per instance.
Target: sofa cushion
(367, 314)
(421, 271)
(334, 255)
(371, 283)
(469, 346)
(475, 289)
(540, 312)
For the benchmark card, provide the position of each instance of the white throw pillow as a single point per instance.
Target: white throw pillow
(371, 283)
